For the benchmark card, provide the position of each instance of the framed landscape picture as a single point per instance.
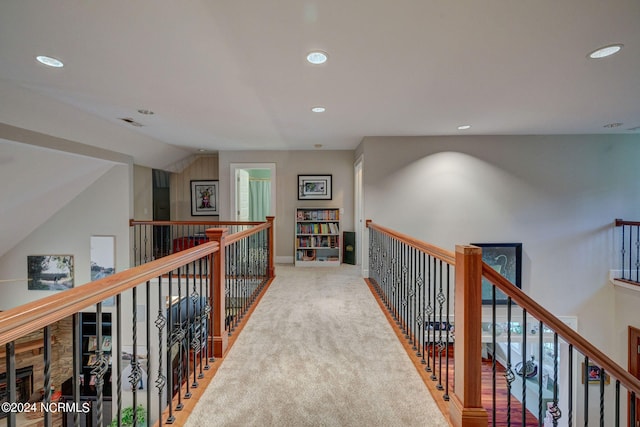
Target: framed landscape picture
(314, 187)
(49, 272)
(506, 259)
(204, 198)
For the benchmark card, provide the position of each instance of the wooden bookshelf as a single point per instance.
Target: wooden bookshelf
(317, 237)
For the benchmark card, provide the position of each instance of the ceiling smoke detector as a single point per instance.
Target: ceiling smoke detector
(131, 121)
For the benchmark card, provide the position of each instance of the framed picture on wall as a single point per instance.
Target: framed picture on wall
(314, 187)
(50, 272)
(204, 198)
(506, 259)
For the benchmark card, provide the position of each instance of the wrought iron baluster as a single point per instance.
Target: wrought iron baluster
(10, 357)
(441, 299)
(509, 375)
(602, 377)
(421, 306)
(171, 331)
(585, 373)
(570, 387)
(148, 355)
(540, 372)
(415, 296)
(118, 358)
(179, 340)
(617, 405)
(161, 323)
(46, 332)
(555, 409)
(187, 338)
(448, 336)
(100, 368)
(524, 367)
(493, 356)
(428, 312)
(77, 366)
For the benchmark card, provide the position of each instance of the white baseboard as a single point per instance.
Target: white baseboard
(283, 260)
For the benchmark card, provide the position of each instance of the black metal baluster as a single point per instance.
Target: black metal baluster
(171, 332)
(422, 307)
(100, 367)
(180, 341)
(77, 366)
(540, 364)
(632, 407)
(637, 253)
(570, 387)
(415, 335)
(10, 357)
(524, 367)
(493, 356)
(585, 373)
(161, 322)
(428, 311)
(118, 358)
(135, 375)
(188, 335)
(196, 327)
(509, 375)
(555, 410)
(622, 254)
(148, 334)
(46, 332)
(404, 289)
(602, 377)
(440, 299)
(448, 336)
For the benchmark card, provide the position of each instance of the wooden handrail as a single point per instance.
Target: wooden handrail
(442, 254)
(235, 237)
(621, 222)
(133, 222)
(562, 329)
(25, 319)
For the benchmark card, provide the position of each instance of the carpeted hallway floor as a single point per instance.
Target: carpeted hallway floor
(317, 351)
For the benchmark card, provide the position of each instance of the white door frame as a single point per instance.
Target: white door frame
(232, 180)
(359, 222)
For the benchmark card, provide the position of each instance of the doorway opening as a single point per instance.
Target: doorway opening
(253, 189)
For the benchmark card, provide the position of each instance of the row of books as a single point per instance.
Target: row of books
(318, 242)
(319, 215)
(318, 228)
(311, 255)
(93, 343)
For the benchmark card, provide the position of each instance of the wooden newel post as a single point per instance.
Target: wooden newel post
(272, 248)
(466, 401)
(216, 292)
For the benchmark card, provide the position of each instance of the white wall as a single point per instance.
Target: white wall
(290, 164)
(104, 208)
(557, 195)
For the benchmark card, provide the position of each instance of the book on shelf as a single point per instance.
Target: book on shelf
(93, 343)
(106, 343)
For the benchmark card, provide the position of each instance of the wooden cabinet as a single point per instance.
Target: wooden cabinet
(317, 237)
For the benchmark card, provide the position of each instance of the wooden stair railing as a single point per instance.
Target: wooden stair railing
(38, 316)
(387, 253)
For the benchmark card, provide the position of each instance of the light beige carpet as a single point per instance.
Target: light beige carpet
(317, 351)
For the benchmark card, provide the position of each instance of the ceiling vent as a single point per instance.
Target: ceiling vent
(131, 121)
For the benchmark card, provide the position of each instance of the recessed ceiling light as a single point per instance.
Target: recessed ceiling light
(464, 127)
(317, 57)
(612, 125)
(202, 150)
(605, 51)
(318, 109)
(145, 112)
(50, 61)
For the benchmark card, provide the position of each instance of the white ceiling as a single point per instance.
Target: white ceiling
(232, 75)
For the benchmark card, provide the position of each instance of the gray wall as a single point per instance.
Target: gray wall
(290, 164)
(558, 195)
